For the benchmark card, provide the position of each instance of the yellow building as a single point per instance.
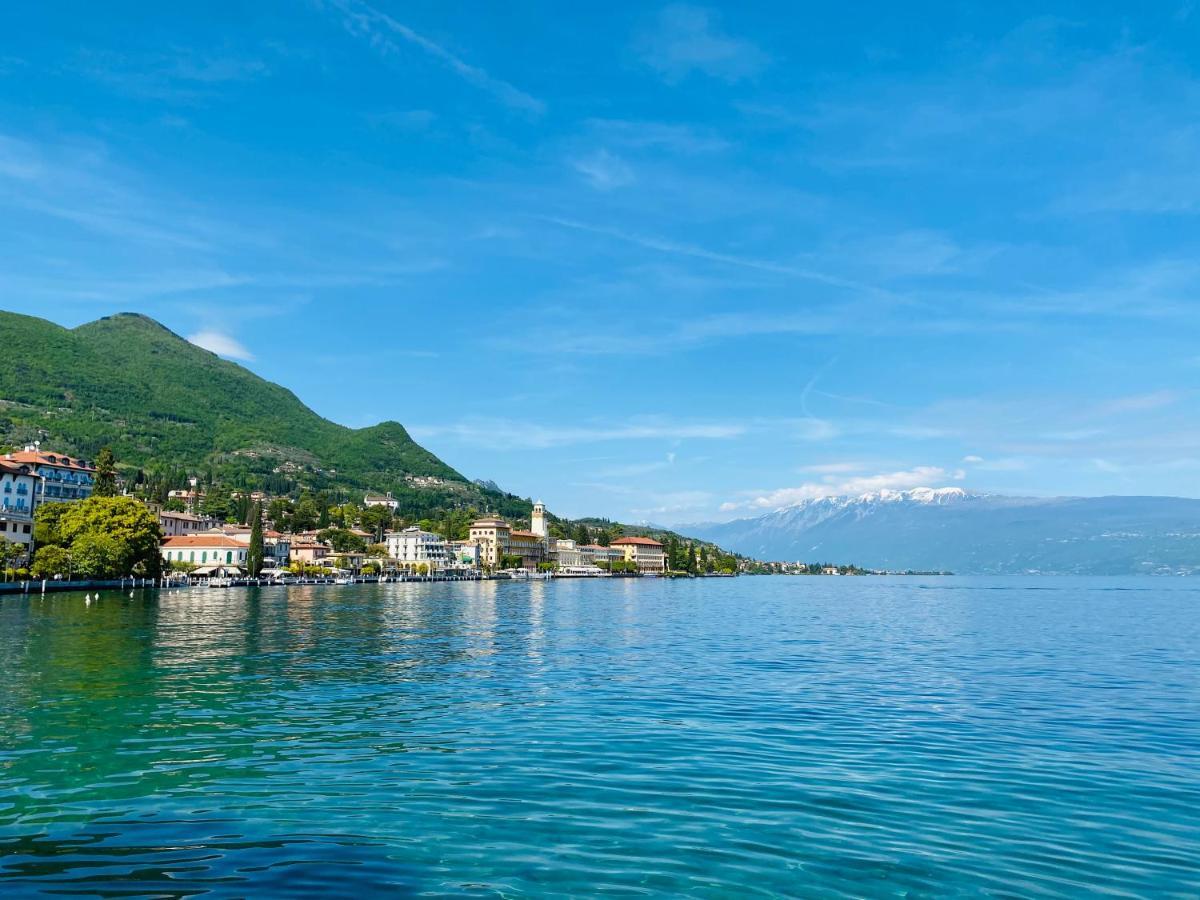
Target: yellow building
(494, 537)
(647, 554)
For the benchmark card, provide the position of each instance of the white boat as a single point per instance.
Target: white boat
(343, 581)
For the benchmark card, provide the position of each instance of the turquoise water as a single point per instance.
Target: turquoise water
(719, 738)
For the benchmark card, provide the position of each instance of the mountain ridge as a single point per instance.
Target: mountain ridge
(129, 382)
(976, 533)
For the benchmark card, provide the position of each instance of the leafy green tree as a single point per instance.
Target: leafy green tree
(604, 539)
(130, 529)
(98, 555)
(10, 552)
(257, 553)
(218, 504)
(342, 540)
(377, 520)
(105, 484)
(174, 504)
(581, 535)
(45, 523)
(50, 561)
(279, 513)
(510, 561)
(305, 513)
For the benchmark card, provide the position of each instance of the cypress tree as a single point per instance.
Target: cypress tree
(254, 558)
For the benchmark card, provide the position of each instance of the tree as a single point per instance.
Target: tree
(10, 552)
(105, 484)
(376, 519)
(581, 535)
(305, 513)
(218, 504)
(175, 504)
(603, 539)
(50, 561)
(45, 523)
(131, 530)
(98, 555)
(510, 561)
(256, 554)
(342, 540)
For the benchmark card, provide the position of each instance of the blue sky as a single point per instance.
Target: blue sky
(667, 263)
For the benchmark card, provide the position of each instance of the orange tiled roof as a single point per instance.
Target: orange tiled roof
(638, 541)
(202, 540)
(46, 458)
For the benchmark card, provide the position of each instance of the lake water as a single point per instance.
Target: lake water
(719, 738)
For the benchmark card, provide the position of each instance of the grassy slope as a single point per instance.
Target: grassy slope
(128, 382)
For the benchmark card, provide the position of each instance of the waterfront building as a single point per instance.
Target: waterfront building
(277, 547)
(494, 536)
(646, 553)
(529, 546)
(59, 477)
(310, 553)
(569, 554)
(465, 554)
(18, 488)
(414, 547)
(595, 554)
(211, 549)
(174, 524)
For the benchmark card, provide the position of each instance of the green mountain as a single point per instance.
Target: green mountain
(169, 409)
(158, 401)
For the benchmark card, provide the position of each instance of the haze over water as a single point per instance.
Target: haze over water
(757, 736)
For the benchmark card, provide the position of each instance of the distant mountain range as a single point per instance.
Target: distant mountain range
(974, 533)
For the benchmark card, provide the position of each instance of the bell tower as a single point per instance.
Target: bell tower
(537, 522)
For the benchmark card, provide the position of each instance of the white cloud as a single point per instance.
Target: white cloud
(686, 39)
(972, 459)
(510, 434)
(604, 171)
(364, 20)
(221, 344)
(921, 476)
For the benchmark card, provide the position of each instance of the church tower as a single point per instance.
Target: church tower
(537, 523)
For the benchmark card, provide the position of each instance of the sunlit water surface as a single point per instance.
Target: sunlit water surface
(722, 737)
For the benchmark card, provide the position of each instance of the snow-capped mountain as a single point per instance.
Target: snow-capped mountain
(952, 529)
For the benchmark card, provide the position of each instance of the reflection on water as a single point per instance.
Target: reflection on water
(722, 737)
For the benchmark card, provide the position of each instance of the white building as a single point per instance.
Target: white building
(59, 477)
(18, 489)
(568, 554)
(466, 554)
(212, 552)
(174, 524)
(382, 500)
(413, 547)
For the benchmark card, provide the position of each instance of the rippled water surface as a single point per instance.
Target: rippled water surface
(722, 737)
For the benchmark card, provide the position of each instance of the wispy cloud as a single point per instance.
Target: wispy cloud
(685, 39)
(379, 29)
(221, 344)
(604, 170)
(510, 434)
(679, 248)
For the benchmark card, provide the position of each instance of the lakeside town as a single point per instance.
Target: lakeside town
(210, 535)
(278, 539)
